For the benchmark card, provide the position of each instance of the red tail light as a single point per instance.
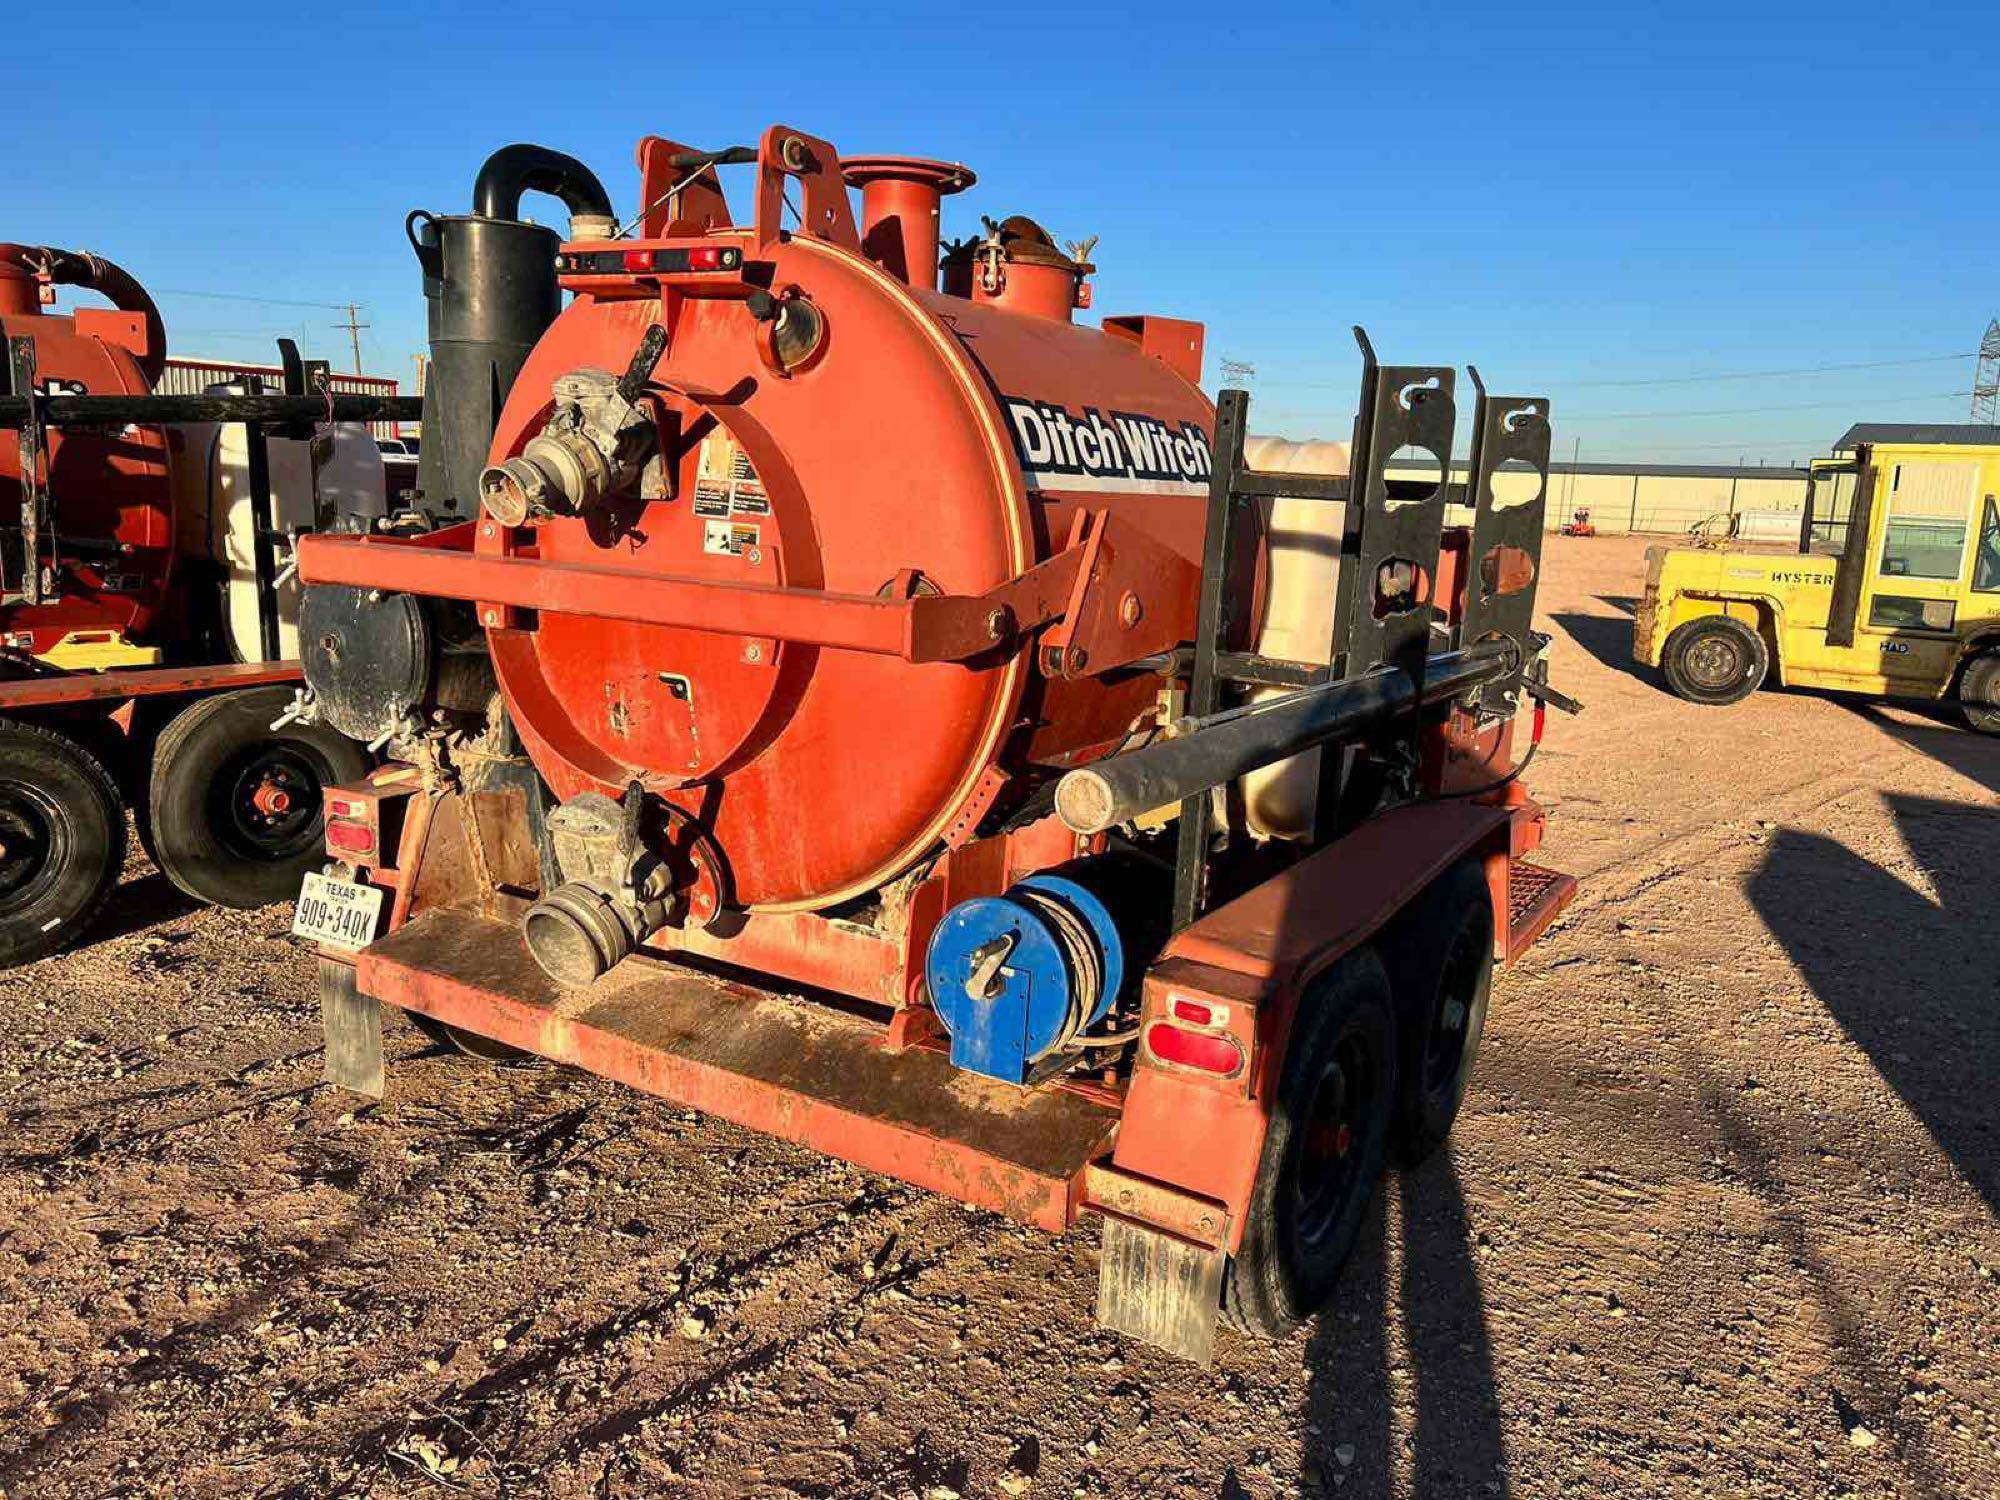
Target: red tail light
(349, 838)
(638, 260)
(1204, 1051)
(706, 258)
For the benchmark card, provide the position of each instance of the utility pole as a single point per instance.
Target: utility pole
(354, 327)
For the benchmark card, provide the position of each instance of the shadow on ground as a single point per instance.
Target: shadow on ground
(1903, 960)
(1454, 1440)
(1608, 638)
(1942, 736)
(139, 904)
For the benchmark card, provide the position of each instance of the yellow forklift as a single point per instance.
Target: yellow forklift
(1894, 591)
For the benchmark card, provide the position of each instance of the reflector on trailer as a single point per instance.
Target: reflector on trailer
(1205, 1052)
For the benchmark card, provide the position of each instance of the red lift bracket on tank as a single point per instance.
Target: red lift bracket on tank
(925, 628)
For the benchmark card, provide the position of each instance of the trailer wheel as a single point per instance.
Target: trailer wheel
(471, 1043)
(235, 804)
(1979, 693)
(1323, 1153)
(62, 840)
(1439, 953)
(1715, 660)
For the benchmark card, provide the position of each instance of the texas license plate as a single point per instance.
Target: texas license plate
(337, 913)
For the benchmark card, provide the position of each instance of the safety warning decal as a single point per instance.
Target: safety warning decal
(726, 483)
(1060, 450)
(727, 538)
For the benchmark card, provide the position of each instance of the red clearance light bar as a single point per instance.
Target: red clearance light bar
(1199, 1012)
(643, 261)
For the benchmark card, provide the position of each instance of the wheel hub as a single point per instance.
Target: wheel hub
(31, 841)
(1329, 1169)
(269, 802)
(1714, 662)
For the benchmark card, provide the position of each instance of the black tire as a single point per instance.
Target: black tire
(1715, 660)
(1439, 953)
(1979, 693)
(62, 840)
(1323, 1152)
(471, 1043)
(212, 836)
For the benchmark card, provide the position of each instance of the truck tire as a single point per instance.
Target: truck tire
(1439, 953)
(62, 840)
(1979, 693)
(1715, 660)
(1323, 1152)
(235, 804)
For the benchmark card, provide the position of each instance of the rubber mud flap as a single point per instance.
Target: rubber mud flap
(353, 1023)
(1161, 1289)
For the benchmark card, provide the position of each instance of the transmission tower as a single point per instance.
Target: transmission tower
(1236, 372)
(1986, 378)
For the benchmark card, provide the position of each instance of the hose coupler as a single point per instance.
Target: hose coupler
(579, 931)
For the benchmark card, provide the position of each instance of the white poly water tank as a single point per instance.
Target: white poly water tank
(336, 474)
(1303, 551)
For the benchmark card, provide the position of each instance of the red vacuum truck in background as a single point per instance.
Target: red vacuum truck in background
(148, 637)
(864, 703)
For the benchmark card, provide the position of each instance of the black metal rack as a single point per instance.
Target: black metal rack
(1392, 535)
(303, 403)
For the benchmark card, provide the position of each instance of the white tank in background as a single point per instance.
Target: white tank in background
(337, 473)
(1303, 552)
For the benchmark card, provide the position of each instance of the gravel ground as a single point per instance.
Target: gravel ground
(1719, 1219)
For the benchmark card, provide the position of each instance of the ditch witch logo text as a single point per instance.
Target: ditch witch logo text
(1122, 451)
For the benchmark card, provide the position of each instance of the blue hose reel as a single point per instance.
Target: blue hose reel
(1018, 978)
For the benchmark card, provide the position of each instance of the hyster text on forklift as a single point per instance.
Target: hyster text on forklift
(1894, 591)
(1095, 823)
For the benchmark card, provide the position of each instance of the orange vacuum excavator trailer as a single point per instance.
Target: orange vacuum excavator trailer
(865, 704)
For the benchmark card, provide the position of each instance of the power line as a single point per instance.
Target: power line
(1563, 418)
(1872, 364)
(179, 291)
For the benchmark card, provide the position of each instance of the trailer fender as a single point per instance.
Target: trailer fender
(1232, 983)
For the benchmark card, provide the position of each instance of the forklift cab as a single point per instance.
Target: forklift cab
(1894, 590)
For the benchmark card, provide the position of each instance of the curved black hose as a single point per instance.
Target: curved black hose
(110, 281)
(514, 170)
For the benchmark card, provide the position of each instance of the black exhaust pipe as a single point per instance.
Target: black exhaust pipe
(490, 286)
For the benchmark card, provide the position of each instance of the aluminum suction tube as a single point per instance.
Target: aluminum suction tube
(1225, 746)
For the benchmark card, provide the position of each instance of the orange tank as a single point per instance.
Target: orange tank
(112, 524)
(821, 422)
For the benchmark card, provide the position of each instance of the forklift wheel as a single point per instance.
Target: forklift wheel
(1439, 953)
(62, 841)
(1323, 1153)
(1979, 693)
(1715, 660)
(235, 804)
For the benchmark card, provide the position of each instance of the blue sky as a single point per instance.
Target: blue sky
(1566, 195)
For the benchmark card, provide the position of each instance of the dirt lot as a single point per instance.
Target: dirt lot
(1720, 1218)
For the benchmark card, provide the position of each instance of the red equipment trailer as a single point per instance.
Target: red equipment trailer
(852, 641)
(117, 687)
